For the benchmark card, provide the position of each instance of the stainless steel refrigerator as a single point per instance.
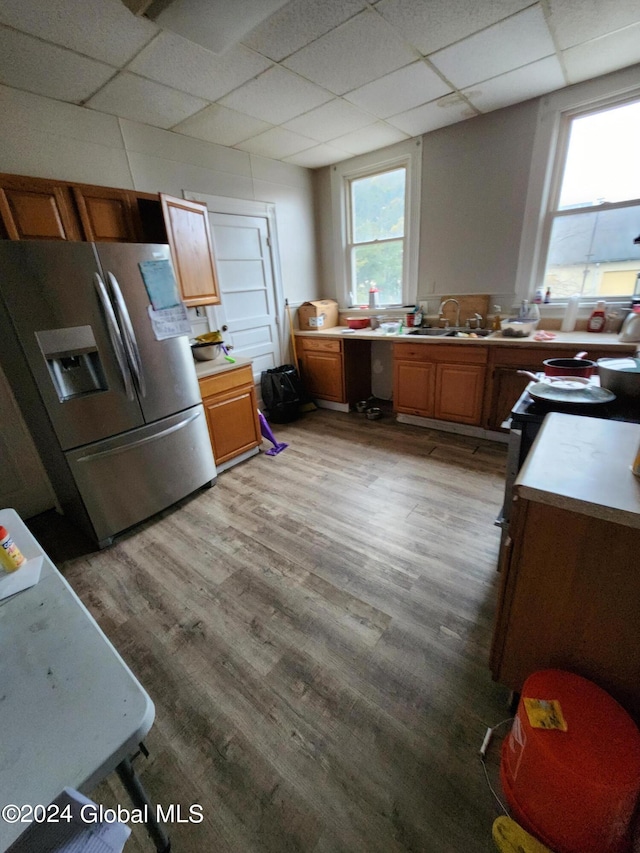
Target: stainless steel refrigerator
(116, 414)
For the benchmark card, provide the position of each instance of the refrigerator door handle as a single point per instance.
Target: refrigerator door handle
(114, 335)
(130, 342)
(123, 448)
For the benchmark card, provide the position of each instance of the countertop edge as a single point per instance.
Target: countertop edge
(562, 340)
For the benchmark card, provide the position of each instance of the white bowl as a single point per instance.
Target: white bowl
(518, 328)
(392, 327)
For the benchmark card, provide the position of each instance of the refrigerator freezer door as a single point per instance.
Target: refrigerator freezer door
(51, 291)
(126, 479)
(163, 370)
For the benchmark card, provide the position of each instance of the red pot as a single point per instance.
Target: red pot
(569, 367)
(357, 322)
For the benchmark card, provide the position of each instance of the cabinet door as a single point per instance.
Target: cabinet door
(414, 387)
(189, 234)
(107, 215)
(323, 375)
(233, 422)
(37, 209)
(459, 392)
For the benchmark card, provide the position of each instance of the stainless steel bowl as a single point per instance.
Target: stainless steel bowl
(205, 351)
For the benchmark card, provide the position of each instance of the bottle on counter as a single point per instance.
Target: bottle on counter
(547, 296)
(598, 318)
(373, 296)
(497, 319)
(11, 558)
(571, 313)
(539, 296)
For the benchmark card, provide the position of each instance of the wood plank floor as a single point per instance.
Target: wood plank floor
(314, 632)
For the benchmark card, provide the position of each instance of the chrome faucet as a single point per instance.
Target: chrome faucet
(441, 308)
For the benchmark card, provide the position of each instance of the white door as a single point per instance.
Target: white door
(245, 276)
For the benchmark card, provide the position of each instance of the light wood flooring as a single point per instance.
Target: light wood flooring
(314, 632)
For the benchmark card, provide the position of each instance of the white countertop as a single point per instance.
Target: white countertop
(219, 365)
(564, 340)
(583, 465)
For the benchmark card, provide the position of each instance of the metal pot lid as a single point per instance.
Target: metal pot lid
(625, 365)
(556, 393)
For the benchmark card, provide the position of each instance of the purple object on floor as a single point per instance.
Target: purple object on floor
(265, 429)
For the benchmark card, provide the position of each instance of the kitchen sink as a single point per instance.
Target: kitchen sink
(451, 332)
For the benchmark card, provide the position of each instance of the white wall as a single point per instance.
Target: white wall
(50, 139)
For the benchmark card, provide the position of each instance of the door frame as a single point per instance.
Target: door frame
(265, 210)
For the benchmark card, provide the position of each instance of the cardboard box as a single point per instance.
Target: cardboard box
(321, 314)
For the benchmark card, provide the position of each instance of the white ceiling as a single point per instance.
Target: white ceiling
(320, 80)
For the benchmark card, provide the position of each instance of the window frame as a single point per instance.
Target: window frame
(407, 155)
(550, 149)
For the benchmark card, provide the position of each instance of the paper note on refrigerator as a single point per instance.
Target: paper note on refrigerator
(169, 322)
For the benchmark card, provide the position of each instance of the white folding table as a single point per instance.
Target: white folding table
(71, 710)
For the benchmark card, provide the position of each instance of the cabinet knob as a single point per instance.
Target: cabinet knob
(225, 328)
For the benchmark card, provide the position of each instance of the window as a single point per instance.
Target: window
(594, 214)
(376, 236)
(376, 220)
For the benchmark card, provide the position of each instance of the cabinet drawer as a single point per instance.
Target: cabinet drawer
(469, 353)
(225, 381)
(312, 345)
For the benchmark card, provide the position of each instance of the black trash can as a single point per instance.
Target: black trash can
(281, 393)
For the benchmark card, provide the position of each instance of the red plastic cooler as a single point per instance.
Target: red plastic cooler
(576, 790)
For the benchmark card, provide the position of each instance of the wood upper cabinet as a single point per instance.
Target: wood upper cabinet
(189, 234)
(37, 209)
(108, 215)
(231, 408)
(445, 382)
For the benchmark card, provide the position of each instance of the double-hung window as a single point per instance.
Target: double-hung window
(594, 212)
(376, 205)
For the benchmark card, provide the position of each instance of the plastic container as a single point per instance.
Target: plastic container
(630, 331)
(571, 313)
(392, 327)
(576, 790)
(11, 558)
(517, 328)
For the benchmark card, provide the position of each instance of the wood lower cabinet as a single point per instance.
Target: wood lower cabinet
(322, 366)
(37, 209)
(445, 382)
(189, 234)
(569, 599)
(231, 407)
(335, 370)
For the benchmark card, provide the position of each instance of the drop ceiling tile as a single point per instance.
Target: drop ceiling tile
(135, 98)
(299, 23)
(320, 155)
(577, 21)
(438, 23)
(363, 49)
(276, 96)
(370, 138)
(103, 29)
(532, 80)
(330, 120)
(221, 125)
(30, 64)
(519, 40)
(276, 143)
(604, 54)
(181, 64)
(399, 91)
(448, 110)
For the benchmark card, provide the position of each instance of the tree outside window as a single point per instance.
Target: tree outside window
(377, 236)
